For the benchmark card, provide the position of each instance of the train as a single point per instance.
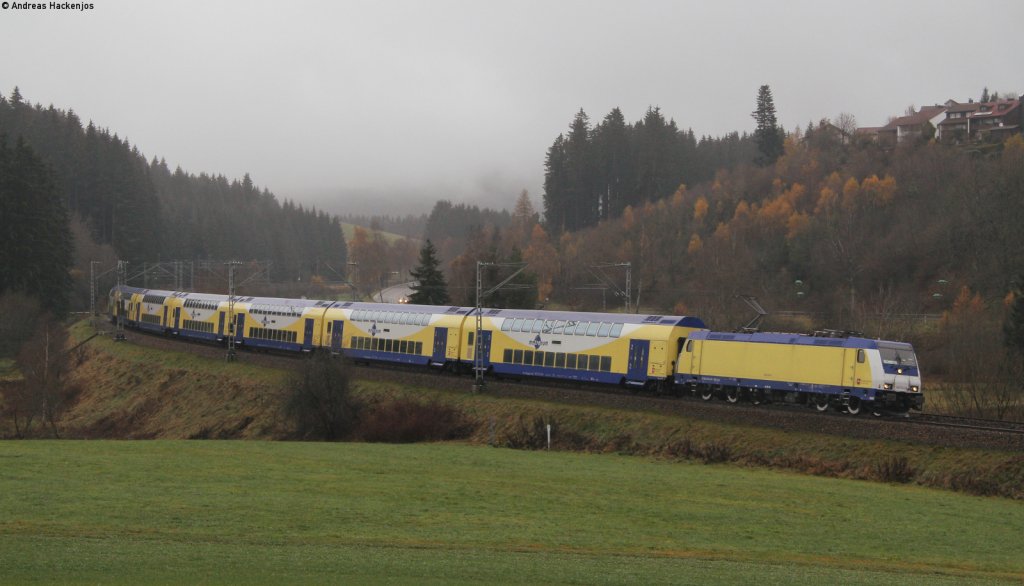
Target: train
(658, 353)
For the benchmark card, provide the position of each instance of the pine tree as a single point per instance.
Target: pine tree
(768, 135)
(431, 287)
(35, 244)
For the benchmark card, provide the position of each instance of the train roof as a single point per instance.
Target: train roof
(625, 318)
(454, 310)
(800, 339)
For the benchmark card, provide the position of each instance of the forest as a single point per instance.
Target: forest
(122, 206)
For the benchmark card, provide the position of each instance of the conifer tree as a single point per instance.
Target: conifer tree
(431, 287)
(35, 243)
(768, 135)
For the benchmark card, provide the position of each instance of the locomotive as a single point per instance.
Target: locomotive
(661, 353)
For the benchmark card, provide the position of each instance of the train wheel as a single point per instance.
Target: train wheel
(853, 405)
(732, 395)
(821, 402)
(706, 393)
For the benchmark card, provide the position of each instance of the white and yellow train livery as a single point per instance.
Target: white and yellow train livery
(848, 373)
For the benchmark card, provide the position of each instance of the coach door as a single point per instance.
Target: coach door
(440, 344)
(485, 346)
(177, 316)
(239, 325)
(337, 328)
(307, 338)
(165, 317)
(220, 324)
(638, 352)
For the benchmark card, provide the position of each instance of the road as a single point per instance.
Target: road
(394, 293)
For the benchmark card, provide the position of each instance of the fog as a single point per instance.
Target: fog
(384, 107)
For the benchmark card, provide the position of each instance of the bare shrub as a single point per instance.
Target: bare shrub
(893, 469)
(407, 421)
(714, 452)
(318, 401)
(524, 433)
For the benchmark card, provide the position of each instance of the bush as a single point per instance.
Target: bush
(318, 400)
(894, 469)
(403, 421)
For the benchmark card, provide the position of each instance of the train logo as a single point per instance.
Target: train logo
(537, 342)
(373, 329)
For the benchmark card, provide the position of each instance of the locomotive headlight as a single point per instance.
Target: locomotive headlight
(915, 389)
(899, 371)
(887, 386)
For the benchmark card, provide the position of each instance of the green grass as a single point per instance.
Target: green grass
(185, 512)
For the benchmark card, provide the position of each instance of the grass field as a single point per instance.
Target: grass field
(273, 512)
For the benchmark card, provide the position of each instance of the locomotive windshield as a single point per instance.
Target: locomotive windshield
(897, 356)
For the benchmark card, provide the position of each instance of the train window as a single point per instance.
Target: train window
(469, 339)
(419, 347)
(592, 330)
(547, 326)
(549, 359)
(506, 325)
(560, 360)
(605, 328)
(528, 325)
(860, 356)
(538, 325)
(517, 357)
(616, 330)
(689, 345)
(528, 357)
(403, 346)
(517, 325)
(606, 364)
(408, 319)
(570, 361)
(581, 328)
(557, 328)
(595, 362)
(328, 327)
(538, 358)
(426, 320)
(506, 356)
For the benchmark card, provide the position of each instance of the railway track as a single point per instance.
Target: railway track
(993, 425)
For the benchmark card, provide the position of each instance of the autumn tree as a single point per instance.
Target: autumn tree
(1013, 328)
(430, 287)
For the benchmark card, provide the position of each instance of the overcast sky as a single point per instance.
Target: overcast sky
(368, 104)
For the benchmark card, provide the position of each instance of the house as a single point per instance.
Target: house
(981, 121)
(920, 123)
